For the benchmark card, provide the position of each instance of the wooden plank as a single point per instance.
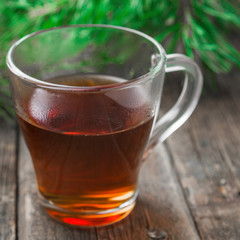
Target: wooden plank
(160, 210)
(219, 221)
(206, 156)
(7, 181)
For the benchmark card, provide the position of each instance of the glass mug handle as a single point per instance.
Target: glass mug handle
(186, 102)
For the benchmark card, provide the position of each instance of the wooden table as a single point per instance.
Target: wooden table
(189, 187)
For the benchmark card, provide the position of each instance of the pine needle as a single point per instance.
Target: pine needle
(201, 26)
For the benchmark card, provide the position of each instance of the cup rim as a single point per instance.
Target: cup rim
(38, 82)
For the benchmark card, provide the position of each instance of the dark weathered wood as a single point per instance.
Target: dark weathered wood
(7, 182)
(160, 206)
(206, 156)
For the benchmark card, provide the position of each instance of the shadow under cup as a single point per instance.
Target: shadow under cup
(87, 98)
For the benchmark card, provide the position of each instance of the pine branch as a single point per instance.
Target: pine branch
(201, 26)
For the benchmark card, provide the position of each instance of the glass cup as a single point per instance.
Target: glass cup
(87, 99)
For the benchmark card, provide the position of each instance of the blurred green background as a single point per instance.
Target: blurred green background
(202, 29)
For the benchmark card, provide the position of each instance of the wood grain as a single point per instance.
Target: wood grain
(160, 206)
(206, 154)
(7, 182)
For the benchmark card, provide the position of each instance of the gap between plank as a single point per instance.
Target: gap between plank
(182, 188)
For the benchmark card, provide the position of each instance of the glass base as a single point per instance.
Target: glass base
(89, 218)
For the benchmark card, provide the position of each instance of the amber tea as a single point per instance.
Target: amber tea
(87, 148)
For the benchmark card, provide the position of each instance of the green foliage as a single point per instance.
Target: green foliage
(200, 26)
